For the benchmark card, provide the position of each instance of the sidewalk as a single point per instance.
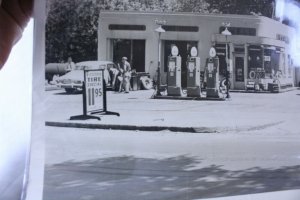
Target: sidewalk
(243, 112)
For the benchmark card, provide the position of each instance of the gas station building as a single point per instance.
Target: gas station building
(256, 44)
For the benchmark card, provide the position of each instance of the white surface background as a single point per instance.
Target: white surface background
(15, 110)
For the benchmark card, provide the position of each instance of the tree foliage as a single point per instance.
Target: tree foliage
(72, 25)
(259, 7)
(71, 30)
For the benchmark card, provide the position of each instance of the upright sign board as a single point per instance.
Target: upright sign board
(94, 90)
(94, 96)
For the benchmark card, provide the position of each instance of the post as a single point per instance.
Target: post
(158, 67)
(159, 30)
(227, 71)
(84, 98)
(226, 32)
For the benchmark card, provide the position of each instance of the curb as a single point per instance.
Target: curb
(189, 98)
(275, 195)
(264, 92)
(132, 127)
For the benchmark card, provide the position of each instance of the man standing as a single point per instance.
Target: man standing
(125, 70)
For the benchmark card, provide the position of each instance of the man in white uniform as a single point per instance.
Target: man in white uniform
(125, 70)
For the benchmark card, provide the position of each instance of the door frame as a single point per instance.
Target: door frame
(129, 54)
(239, 84)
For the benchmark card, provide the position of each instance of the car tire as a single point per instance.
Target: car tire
(147, 83)
(223, 83)
(70, 90)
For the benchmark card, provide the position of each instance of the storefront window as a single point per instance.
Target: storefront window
(181, 28)
(126, 27)
(275, 56)
(267, 60)
(239, 30)
(239, 49)
(255, 61)
(271, 60)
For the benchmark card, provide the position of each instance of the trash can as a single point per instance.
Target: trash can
(134, 81)
(273, 87)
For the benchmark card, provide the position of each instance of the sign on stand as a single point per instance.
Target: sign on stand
(93, 90)
(94, 96)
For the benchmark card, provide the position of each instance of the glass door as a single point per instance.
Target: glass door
(239, 71)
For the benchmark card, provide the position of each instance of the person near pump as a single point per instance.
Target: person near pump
(70, 65)
(125, 71)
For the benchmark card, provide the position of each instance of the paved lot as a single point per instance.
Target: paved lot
(254, 148)
(243, 112)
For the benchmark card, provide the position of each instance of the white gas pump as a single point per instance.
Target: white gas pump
(193, 74)
(174, 74)
(212, 75)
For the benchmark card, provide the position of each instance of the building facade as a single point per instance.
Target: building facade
(257, 46)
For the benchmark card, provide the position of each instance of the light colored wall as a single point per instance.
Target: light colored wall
(208, 32)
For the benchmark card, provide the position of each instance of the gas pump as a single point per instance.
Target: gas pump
(212, 75)
(193, 75)
(174, 74)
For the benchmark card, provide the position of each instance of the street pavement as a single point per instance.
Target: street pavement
(89, 164)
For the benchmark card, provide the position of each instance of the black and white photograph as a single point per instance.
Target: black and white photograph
(171, 99)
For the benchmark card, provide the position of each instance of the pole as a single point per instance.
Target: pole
(84, 96)
(227, 71)
(158, 67)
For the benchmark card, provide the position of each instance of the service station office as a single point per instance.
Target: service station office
(255, 43)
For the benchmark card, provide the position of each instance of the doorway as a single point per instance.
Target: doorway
(134, 50)
(239, 71)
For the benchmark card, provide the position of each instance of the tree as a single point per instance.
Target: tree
(245, 7)
(72, 25)
(200, 6)
(71, 30)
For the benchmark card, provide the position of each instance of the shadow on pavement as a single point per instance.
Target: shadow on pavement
(179, 178)
(65, 93)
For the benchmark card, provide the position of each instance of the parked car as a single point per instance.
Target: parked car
(73, 80)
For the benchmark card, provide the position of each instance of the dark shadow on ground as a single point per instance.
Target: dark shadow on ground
(65, 93)
(133, 178)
